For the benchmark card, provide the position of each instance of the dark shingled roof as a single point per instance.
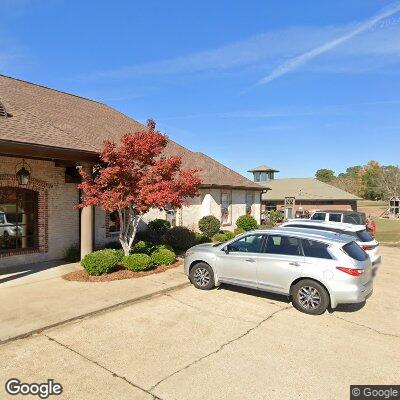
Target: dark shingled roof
(44, 116)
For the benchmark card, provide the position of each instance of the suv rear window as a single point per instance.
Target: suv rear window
(318, 217)
(355, 251)
(364, 236)
(335, 217)
(354, 219)
(315, 249)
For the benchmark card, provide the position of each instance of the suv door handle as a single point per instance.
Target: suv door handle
(295, 263)
(250, 260)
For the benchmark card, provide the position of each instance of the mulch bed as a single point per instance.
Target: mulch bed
(119, 274)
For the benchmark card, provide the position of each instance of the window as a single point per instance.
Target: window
(315, 249)
(249, 203)
(257, 176)
(263, 176)
(18, 219)
(171, 217)
(226, 208)
(247, 244)
(318, 217)
(364, 236)
(114, 224)
(354, 219)
(355, 251)
(277, 244)
(335, 217)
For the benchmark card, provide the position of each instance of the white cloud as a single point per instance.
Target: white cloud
(307, 56)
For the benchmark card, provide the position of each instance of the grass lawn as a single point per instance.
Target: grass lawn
(388, 230)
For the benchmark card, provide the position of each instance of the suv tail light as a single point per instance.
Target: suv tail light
(351, 271)
(368, 246)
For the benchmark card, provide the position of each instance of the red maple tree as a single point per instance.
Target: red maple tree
(134, 177)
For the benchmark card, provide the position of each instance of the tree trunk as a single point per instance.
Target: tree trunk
(129, 222)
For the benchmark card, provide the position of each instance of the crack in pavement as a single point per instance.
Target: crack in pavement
(367, 327)
(210, 312)
(114, 374)
(221, 347)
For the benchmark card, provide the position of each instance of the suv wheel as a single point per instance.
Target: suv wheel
(202, 276)
(310, 297)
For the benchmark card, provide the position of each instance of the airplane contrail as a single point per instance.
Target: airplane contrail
(309, 55)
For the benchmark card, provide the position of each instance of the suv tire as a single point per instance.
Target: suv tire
(202, 276)
(310, 297)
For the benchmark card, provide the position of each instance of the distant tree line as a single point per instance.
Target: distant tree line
(371, 181)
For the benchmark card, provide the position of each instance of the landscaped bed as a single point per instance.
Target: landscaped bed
(119, 274)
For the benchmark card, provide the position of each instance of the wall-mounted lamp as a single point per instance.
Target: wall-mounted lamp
(23, 174)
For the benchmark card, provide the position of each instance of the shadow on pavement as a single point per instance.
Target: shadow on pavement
(26, 270)
(256, 293)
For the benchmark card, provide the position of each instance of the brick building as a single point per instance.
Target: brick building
(44, 135)
(298, 197)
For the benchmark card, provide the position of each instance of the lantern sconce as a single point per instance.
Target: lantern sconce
(23, 174)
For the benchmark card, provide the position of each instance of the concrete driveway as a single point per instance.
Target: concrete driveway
(221, 344)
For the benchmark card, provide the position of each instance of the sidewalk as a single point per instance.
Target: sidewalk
(31, 301)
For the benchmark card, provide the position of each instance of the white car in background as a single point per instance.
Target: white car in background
(362, 237)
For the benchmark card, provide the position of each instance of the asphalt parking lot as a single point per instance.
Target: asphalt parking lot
(222, 344)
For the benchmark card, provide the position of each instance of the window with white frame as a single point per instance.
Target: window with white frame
(226, 214)
(249, 203)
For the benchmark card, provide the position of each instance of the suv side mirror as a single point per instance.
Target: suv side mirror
(226, 249)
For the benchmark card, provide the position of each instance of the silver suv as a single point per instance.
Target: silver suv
(315, 271)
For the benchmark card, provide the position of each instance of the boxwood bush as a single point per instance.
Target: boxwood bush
(163, 256)
(246, 222)
(180, 238)
(219, 237)
(209, 225)
(137, 262)
(200, 238)
(238, 231)
(159, 226)
(143, 247)
(100, 262)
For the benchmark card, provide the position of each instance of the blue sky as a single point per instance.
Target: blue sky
(298, 85)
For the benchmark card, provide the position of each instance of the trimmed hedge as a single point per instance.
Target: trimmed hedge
(163, 256)
(159, 226)
(238, 231)
(200, 238)
(247, 223)
(209, 225)
(219, 237)
(137, 262)
(100, 262)
(228, 234)
(180, 238)
(142, 247)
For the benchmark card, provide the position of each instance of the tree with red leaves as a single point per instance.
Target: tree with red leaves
(135, 177)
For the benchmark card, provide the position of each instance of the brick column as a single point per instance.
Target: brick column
(86, 223)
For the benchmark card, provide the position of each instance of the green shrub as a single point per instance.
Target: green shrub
(137, 262)
(228, 234)
(159, 226)
(163, 256)
(238, 231)
(219, 237)
(246, 222)
(148, 235)
(209, 225)
(267, 225)
(275, 216)
(180, 238)
(100, 262)
(142, 247)
(120, 254)
(200, 238)
(73, 253)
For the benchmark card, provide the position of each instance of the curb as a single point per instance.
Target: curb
(97, 312)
